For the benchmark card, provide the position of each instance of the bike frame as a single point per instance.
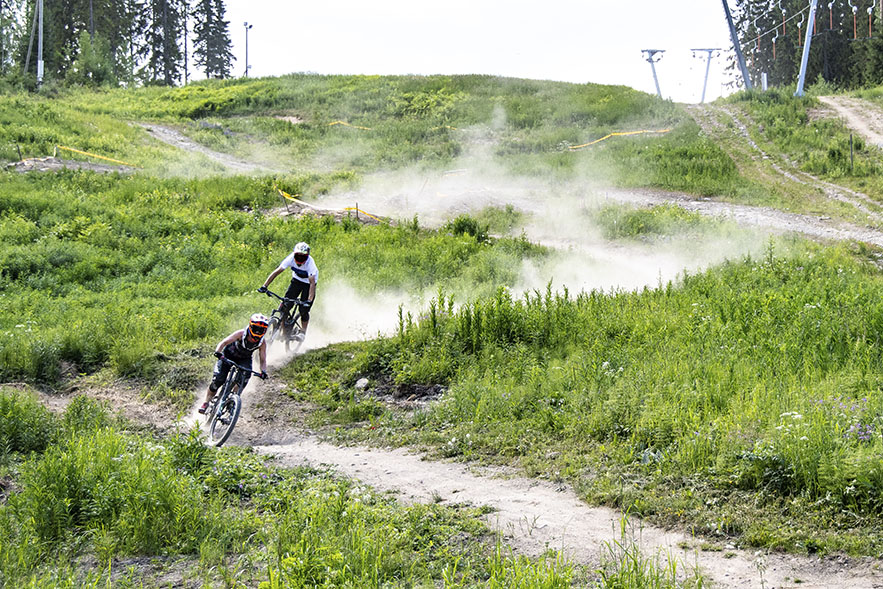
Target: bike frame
(290, 319)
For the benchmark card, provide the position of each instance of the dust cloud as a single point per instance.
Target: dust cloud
(558, 215)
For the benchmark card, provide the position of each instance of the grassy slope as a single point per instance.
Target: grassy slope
(129, 267)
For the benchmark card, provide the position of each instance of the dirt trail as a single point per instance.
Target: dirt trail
(181, 141)
(533, 515)
(784, 174)
(859, 115)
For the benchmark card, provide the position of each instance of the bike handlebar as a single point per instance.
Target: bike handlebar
(270, 293)
(242, 368)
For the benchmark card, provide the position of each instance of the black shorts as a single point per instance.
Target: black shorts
(222, 369)
(298, 290)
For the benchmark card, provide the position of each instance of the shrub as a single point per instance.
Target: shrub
(25, 425)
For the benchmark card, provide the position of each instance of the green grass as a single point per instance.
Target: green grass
(127, 273)
(522, 126)
(103, 492)
(732, 400)
(818, 145)
(742, 401)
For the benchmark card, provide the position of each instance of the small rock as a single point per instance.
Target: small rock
(362, 383)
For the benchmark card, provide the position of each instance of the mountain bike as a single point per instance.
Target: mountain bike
(286, 327)
(223, 410)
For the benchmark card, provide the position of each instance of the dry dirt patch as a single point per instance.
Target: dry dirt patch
(859, 115)
(55, 164)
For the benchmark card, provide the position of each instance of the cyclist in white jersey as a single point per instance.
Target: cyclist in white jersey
(304, 276)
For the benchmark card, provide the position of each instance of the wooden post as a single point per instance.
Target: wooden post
(850, 154)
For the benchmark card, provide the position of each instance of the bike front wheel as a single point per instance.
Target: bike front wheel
(224, 420)
(273, 330)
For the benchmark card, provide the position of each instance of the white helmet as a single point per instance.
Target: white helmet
(301, 252)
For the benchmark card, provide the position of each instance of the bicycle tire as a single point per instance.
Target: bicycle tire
(220, 409)
(224, 419)
(274, 329)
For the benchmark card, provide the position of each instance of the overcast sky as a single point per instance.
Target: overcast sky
(596, 41)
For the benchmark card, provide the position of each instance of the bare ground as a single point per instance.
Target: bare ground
(859, 115)
(177, 139)
(55, 164)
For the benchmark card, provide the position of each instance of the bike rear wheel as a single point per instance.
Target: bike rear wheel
(224, 419)
(295, 337)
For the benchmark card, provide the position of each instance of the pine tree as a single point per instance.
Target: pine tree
(211, 45)
(163, 53)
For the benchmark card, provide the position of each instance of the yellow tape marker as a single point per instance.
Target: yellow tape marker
(291, 197)
(573, 147)
(297, 200)
(364, 213)
(348, 125)
(95, 155)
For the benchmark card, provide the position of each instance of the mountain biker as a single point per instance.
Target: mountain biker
(239, 347)
(304, 276)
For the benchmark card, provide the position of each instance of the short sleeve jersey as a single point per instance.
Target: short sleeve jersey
(302, 272)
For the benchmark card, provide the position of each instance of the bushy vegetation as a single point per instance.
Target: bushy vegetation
(757, 377)
(125, 272)
(742, 400)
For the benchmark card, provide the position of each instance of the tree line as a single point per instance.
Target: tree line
(846, 49)
(97, 42)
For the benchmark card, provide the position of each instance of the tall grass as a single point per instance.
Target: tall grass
(758, 376)
(103, 492)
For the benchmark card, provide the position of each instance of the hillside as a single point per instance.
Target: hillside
(679, 321)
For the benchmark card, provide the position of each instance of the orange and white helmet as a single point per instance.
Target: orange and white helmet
(257, 326)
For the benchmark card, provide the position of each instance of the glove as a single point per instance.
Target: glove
(264, 375)
(219, 355)
(262, 290)
(306, 304)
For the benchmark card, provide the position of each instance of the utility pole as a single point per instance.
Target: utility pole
(711, 53)
(2, 39)
(652, 59)
(247, 26)
(740, 58)
(802, 77)
(40, 46)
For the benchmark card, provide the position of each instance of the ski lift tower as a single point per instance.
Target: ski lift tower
(710, 53)
(36, 26)
(652, 59)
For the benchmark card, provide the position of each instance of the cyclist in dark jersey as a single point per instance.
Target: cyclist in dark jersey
(239, 347)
